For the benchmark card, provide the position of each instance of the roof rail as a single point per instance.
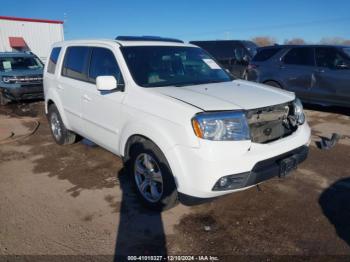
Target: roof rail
(147, 38)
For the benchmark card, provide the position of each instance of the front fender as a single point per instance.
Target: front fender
(158, 135)
(165, 134)
(52, 95)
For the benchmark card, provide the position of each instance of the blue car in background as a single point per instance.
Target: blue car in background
(318, 74)
(21, 77)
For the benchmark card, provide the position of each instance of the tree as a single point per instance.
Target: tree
(295, 41)
(346, 42)
(334, 41)
(264, 40)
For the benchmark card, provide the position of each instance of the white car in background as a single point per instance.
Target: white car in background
(184, 128)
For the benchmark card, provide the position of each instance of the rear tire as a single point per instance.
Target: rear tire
(60, 133)
(153, 179)
(274, 84)
(3, 101)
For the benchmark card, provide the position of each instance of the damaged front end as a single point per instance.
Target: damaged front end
(274, 122)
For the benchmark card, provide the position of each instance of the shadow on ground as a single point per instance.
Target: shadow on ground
(32, 108)
(335, 204)
(140, 230)
(328, 109)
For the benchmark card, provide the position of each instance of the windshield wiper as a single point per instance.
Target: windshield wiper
(188, 84)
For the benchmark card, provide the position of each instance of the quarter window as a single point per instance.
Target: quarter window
(75, 62)
(103, 63)
(300, 56)
(53, 60)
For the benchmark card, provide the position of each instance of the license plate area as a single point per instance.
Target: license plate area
(287, 165)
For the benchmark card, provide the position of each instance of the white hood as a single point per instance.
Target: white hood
(238, 94)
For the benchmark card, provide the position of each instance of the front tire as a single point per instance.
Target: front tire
(60, 133)
(153, 179)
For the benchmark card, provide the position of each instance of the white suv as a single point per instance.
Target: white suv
(182, 125)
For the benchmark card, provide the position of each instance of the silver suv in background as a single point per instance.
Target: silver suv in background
(318, 74)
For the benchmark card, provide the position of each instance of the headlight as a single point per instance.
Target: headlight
(221, 126)
(299, 112)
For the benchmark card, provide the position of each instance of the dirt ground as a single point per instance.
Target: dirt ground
(77, 200)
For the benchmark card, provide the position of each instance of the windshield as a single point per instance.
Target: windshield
(153, 66)
(347, 51)
(19, 63)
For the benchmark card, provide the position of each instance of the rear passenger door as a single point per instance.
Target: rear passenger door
(72, 81)
(297, 71)
(332, 76)
(102, 116)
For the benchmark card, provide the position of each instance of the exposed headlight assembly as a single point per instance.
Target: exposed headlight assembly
(298, 112)
(221, 126)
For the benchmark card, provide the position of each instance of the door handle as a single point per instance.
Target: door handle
(60, 87)
(86, 98)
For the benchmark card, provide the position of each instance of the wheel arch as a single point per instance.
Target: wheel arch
(273, 80)
(130, 141)
(53, 100)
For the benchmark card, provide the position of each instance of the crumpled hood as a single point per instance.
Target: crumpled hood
(238, 94)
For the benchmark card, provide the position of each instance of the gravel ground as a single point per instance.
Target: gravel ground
(77, 200)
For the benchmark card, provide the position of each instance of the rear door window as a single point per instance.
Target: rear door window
(76, 62)
(53, 60)
(303, 56)
(103, 63)
(265, 54)
(330, 57)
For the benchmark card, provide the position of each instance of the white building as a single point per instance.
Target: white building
(24, 34)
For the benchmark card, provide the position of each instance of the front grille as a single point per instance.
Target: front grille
(270, 123)
(31, 79)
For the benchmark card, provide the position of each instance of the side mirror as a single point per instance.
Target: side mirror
(106, 83)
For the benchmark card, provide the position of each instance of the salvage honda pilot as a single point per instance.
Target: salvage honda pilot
(183, 127)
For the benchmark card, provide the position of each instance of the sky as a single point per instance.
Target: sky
(192, 19)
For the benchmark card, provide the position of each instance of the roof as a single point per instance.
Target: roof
(148, 38)
(12, 18)
(219, 41)
(291, 46)
(120, 43)
(152, 43)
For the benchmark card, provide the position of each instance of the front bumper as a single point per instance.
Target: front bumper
(267, 169)
(23, 93)
(197, 170)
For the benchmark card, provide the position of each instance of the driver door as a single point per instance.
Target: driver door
(102, 116)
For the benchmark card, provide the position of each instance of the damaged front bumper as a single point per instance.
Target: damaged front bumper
(24, 92)
(276, 166)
